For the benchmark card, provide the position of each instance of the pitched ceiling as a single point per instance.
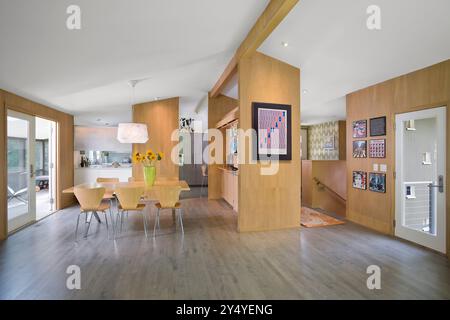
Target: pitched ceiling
(180, 47)
(337, 54)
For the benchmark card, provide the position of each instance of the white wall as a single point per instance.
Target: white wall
(196, 109)
(97, 138)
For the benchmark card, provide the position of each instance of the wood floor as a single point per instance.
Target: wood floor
(213, 261)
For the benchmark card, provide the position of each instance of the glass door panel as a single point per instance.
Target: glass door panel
(20, 155)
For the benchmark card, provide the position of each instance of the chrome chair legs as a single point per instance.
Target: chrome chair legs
(157, 220)
(87, 221)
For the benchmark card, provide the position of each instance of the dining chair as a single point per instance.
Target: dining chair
(204, 169)
(129, 200)
(90, 200)
(109, 195)
(168, 197)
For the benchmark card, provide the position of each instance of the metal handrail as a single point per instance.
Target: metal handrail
(318, 182)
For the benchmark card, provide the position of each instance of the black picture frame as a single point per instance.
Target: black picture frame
(284, 107)
(372, 153)
(359, 129)
(377, 184)
(359, 180)
(357, 146)
(378, 126)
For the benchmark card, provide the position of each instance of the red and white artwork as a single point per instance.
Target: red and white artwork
(377, 148)
(272, 131)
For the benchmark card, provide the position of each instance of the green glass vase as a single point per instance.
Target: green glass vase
(149, 175)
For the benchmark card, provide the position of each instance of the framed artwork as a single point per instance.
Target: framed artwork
(360, 129)
(360, 149)
(329, 143)
(272, 123)
(377, 182)
(377, 148)
(360, 180)
(378, 126)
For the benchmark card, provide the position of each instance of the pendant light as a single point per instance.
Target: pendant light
(132, 132)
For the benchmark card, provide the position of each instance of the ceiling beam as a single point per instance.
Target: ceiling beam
(272, 16)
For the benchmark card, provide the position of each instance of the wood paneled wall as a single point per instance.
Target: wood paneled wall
(269, 202)
(65, 168)
(162, 119)
(333, 174)
(218, 107)
(426, 88)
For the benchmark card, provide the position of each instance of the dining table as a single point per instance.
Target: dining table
(149, 190)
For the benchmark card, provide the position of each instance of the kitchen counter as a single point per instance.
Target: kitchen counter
(90, 174)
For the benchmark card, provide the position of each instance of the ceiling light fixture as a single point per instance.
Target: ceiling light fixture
(285, 44)
(132, 132)
(305, 91)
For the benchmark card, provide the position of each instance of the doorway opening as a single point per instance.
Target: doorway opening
(31, 169)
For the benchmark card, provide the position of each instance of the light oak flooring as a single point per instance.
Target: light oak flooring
(213, 261)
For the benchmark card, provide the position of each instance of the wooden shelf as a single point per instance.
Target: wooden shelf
(230, 117)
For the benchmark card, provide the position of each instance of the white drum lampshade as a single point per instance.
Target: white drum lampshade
(132, 133)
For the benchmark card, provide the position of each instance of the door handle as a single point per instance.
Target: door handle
(440, 184)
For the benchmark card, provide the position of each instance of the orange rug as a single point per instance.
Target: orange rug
(311, 218)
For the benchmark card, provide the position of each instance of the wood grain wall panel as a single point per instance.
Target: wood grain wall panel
(65, 168)
(342, 140)
(218, 107)
(425, 88)
(307, 183)
(269, 202)
(162, 119)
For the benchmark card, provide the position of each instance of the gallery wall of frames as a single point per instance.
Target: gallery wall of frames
(368, 143)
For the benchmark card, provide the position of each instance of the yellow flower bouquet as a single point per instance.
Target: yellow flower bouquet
(148, 160)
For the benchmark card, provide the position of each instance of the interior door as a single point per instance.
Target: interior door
(420, 177)
(21, 180)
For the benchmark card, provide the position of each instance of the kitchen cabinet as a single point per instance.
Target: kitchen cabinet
(230, 187)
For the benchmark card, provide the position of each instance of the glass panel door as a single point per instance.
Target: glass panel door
(21, 183)
(420, 166)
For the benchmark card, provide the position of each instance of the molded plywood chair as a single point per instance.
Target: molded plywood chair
(168, 197)
(90, 200)
(129, 200)
(109, 196)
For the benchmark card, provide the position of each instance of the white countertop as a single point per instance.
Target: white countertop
(103, 168)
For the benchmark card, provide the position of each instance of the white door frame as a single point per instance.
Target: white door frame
(436, 242)
(30, 217)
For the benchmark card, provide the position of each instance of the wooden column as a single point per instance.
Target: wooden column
(269, 202)
(162, 119)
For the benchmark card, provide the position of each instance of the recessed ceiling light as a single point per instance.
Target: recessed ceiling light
(284, 44)
(305, 91)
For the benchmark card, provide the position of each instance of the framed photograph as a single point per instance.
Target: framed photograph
(377, 148)
(378, 126)
(329, 143)
(360, 129)
(272, 123)
(360, 149)
(360, 180)
(377, 182)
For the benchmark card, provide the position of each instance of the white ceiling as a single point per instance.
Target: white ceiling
(181, 46)
(337, 54)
